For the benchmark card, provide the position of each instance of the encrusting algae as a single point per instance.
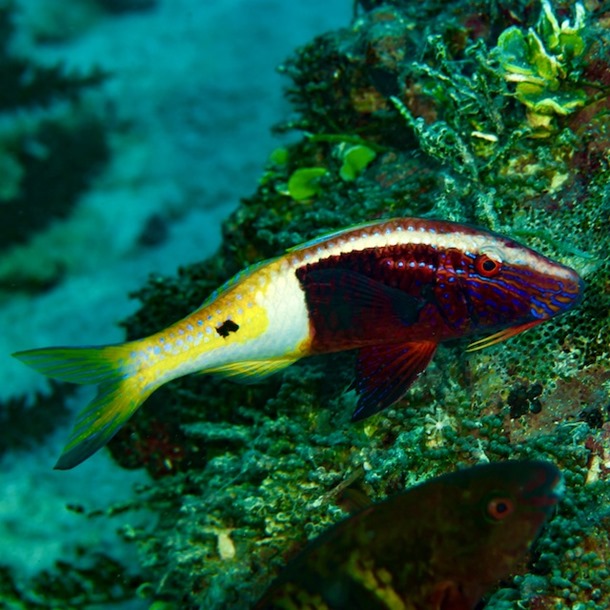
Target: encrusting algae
(427, 87)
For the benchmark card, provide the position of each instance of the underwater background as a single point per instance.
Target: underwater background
(149, 148)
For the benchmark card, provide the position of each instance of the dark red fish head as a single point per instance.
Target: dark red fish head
(510, 287)
(501, 509)
(440, 545)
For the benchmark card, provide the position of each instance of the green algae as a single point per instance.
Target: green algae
(355, 160)
(542, 63)
(244, 475)
(304, 183)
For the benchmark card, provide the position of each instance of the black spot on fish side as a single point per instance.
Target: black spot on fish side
(227, 327)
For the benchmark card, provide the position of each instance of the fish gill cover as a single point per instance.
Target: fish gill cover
(492, 116)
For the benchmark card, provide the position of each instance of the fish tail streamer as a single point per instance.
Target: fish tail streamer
(119, 392)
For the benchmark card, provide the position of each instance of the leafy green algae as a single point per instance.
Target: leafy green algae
(244, 475)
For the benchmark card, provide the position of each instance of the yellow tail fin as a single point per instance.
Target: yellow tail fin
(119, 395)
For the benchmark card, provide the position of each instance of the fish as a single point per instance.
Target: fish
(392, 290)
(441, 545)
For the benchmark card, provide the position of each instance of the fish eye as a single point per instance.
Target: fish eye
(498, 508)
(486, 266)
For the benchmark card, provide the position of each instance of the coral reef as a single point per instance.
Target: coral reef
(244, 475)
(455, 133)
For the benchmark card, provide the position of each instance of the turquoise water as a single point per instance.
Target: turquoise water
(185, 111)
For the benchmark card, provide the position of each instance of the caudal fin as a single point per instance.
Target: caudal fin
(119, 394)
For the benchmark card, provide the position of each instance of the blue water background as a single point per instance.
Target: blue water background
(191, 101)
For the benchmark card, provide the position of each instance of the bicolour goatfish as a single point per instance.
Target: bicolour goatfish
(392, 289)
(441, 545)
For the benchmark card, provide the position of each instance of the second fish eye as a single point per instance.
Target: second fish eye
(499, 508)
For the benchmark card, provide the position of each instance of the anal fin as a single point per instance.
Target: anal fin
(250, 371)
(385, 372)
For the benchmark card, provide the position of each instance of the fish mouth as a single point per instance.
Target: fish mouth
(545, 303)
(571, 293)
(546, 487)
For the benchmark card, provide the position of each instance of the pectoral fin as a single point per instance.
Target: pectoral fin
(385, 372)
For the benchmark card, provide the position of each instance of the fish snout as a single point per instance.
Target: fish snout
(557, 294)
(545, 488)
(573, 288)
